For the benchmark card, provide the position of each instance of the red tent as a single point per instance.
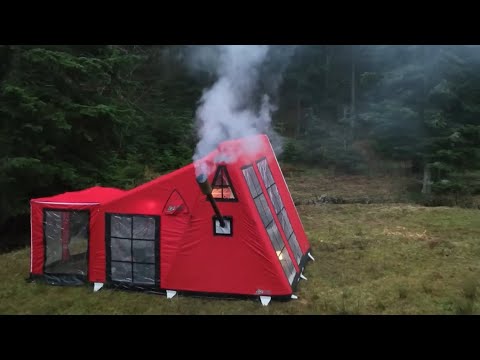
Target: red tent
(63, 229)
(166, 235)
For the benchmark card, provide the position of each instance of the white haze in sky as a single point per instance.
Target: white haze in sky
(223, 112)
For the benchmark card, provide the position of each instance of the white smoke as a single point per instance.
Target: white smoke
(225, 111)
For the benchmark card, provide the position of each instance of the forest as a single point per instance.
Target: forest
(74, 116)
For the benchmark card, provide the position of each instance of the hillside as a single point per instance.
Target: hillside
(381, 258)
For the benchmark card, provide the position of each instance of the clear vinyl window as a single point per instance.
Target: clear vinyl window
(269, 223)
(227, 230)
(279, 207)
(133, 246)
(66, 241)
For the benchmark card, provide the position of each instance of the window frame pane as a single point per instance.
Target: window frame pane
(268, 221)
(137, 238)
(279, 207)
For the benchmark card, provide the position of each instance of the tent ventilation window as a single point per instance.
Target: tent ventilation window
(227, 230)
(222, 189)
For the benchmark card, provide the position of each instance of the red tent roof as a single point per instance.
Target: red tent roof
(93, 195)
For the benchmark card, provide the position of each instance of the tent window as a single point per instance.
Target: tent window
(252, 181)
(222, 189)
(263, 209)
(227, 230)
(66, 241)
(279, 207)
(133, 248)
(269, 223)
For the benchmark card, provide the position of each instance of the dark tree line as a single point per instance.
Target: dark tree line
(364, 108)
(75, 116)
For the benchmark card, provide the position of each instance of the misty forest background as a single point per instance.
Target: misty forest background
(75, 116)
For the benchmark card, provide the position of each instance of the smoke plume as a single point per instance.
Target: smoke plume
(233, 107)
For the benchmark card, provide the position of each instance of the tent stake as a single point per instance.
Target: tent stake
(265, 300)
(97, 286)
(171, 294)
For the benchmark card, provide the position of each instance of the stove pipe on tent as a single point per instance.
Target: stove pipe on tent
(202, 181)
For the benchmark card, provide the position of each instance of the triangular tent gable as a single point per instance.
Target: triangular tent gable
(175, 205)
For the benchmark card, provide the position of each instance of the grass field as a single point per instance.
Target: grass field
(370, 259)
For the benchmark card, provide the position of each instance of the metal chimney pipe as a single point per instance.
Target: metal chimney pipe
(202, 181)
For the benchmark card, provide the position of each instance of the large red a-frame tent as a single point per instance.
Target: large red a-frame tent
(167, 235)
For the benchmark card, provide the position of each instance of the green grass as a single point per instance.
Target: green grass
(396, 259)
(370, 259)
(307, 183)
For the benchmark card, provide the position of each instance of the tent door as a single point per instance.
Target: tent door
(65, 234)
(133, 250)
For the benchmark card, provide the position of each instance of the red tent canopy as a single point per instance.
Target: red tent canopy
(93, 195)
